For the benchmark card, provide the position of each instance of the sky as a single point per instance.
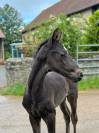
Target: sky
(29, 9)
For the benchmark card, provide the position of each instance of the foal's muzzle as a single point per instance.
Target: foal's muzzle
(77, 75)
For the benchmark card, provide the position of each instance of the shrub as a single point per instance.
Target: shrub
(71, 32)
(91, 33)
(7, 55)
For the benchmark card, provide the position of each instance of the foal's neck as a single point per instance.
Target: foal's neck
(35, 69)
(39, 78)
(41, 74)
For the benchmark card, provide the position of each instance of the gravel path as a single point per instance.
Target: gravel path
(14, 119)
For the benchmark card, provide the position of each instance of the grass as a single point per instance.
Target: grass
(17, 90)
(85, 84)
(89, 83)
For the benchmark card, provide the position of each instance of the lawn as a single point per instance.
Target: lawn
(85, 84)
(89, 83)
(17, 90)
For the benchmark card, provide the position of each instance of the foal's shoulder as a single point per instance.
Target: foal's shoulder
(55, 76)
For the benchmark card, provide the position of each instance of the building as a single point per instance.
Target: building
(2, 36)
(68, 7)
(16, 50)
(20, 50)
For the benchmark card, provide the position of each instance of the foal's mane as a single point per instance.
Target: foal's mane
(39, 47)
(36, 66)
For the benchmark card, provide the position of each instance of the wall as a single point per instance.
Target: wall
(87, 13)
(17, 70)
(1, 51)
(3, 80)
(0, 48)
(27, 37)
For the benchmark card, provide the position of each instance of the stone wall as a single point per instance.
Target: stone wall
(17, 70)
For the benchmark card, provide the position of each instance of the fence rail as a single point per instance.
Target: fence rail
(89, 52)
(90, 64)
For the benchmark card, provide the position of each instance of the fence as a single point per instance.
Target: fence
(88, 60)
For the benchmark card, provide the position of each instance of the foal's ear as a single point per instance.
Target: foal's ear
(56, 34)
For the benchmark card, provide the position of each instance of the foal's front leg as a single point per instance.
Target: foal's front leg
(48, 115)
(35, 123)
(66, 114)
(50, 122)
(34, 120)
(73, 103)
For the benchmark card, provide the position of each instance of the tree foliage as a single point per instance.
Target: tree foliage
(10, 23)
(71, 32)
(91, 35)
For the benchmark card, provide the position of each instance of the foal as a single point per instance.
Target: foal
(48, 86)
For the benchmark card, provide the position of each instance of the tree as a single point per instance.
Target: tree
(10, 23)
(71, 32)
(91, 35)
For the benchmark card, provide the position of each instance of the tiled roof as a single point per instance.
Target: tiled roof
(64, 6)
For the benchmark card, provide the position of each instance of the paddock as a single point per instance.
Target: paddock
(88, 115)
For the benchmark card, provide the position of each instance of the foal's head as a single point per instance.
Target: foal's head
(58, 59)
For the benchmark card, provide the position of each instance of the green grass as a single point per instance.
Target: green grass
(17, 90)
(85, 84)
(89, 83)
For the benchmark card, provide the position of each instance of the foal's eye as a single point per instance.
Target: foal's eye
(63, 55)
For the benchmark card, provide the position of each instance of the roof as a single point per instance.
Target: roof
(1, 34)
(67, 7)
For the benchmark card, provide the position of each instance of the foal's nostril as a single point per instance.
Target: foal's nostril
(81, 74)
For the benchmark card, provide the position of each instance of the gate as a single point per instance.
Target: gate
(88, 60)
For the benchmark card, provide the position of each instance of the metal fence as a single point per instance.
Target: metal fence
(88, 60)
